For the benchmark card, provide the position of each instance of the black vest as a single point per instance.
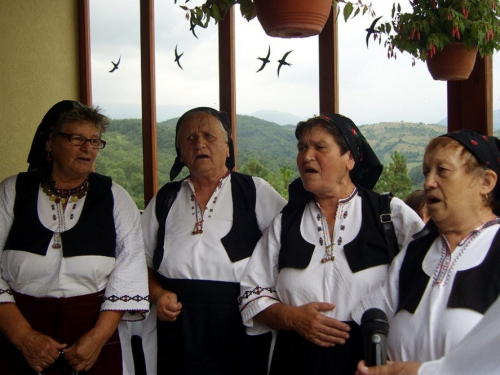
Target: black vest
(240, 242)
(368, 249)
(93, 234)
(476, 288)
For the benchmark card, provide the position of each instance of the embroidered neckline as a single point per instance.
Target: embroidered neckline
(325, 238)
(446, 263)
(198, 212)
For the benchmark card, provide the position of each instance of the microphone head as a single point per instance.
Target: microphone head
(374, 320)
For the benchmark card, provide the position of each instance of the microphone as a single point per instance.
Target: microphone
(374, 329)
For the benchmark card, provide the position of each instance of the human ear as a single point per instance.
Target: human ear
(489, 181)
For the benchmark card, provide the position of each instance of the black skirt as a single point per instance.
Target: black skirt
(208, 336)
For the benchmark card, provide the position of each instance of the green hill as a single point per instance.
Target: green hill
(271, 145)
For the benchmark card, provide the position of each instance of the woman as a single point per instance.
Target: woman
(322, 253)
(416, 200)
(72, 259)
(440, 287)
(198, 239)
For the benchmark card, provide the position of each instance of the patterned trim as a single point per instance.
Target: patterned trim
(256, 291)
(125, 298)
(5, 291)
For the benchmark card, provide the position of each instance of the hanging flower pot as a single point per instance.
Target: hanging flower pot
(293, 18)
(453, 63)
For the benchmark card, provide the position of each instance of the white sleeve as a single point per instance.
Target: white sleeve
(127, 287)
(477, 353)
(268, 203)
(150, 227)
(257, 287)
(7, 198)
(406, 222)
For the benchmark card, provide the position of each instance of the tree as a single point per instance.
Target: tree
(417, 177)
(395, 177)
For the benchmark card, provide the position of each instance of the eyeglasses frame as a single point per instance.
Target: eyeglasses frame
(69, 136)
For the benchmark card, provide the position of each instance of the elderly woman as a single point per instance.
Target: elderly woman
(322, 253)
(199, 234)
(440, 287)
(72, 259)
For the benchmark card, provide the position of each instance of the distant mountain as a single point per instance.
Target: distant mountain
(280, 118)
(118, 111)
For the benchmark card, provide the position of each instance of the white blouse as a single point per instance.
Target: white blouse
(202, 256)
(333, 281)
(124, 277)
(433, 329)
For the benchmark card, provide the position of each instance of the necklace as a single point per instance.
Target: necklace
(63, 195)
(198, 212)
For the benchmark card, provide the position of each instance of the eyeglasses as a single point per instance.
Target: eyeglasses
(79, 140)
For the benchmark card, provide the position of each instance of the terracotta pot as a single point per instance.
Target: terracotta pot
(453, 63)
(292, 18)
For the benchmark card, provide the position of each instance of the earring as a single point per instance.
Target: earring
(48, 158)
(485, 197)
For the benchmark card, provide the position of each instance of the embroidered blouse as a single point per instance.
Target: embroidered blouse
(124, 276)
(331, 281)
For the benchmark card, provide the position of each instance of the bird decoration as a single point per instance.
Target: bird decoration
(115, 66)
(371, 30)
(264, 60)
(283, 62)
(191, 28)
(178, 57)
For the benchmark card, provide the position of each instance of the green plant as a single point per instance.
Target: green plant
(216, 10)
(433, 24)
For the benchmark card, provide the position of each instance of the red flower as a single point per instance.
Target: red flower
(473, 142)
(353, 131)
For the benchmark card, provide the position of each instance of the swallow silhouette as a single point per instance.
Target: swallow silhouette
(115, 66)
(371, 30)
(264, 60)
(191, 28)
(283, 62)
(178, 57)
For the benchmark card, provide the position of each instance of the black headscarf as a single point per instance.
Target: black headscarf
(223, 118)
(38, 165)
(367, 168)
(484, 148)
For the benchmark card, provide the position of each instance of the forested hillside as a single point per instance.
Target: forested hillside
(264, 148)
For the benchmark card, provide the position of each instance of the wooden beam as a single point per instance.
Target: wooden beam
(328, 65)
(470, 101)
(227, 75)
(84, 52)
(149, 139)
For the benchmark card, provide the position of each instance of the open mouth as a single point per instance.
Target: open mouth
(310, 170)
(432, 200)
(202, 157)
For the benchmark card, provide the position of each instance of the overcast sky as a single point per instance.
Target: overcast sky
(373, 88)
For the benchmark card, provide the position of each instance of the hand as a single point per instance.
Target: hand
(83, 354)
(167, 306)
(39, 350)
(392, 368)
(321, 330)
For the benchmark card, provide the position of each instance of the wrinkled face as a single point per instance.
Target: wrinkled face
(452, 193)
(203, 143)
(321, 166)
(73, 163)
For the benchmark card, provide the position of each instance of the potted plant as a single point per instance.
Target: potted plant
(274, 19)
(435, 27)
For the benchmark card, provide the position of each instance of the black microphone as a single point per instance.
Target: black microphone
(375, 328)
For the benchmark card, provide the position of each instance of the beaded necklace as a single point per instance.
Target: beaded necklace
(63, 195)
(198, 212)
(446, 263)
